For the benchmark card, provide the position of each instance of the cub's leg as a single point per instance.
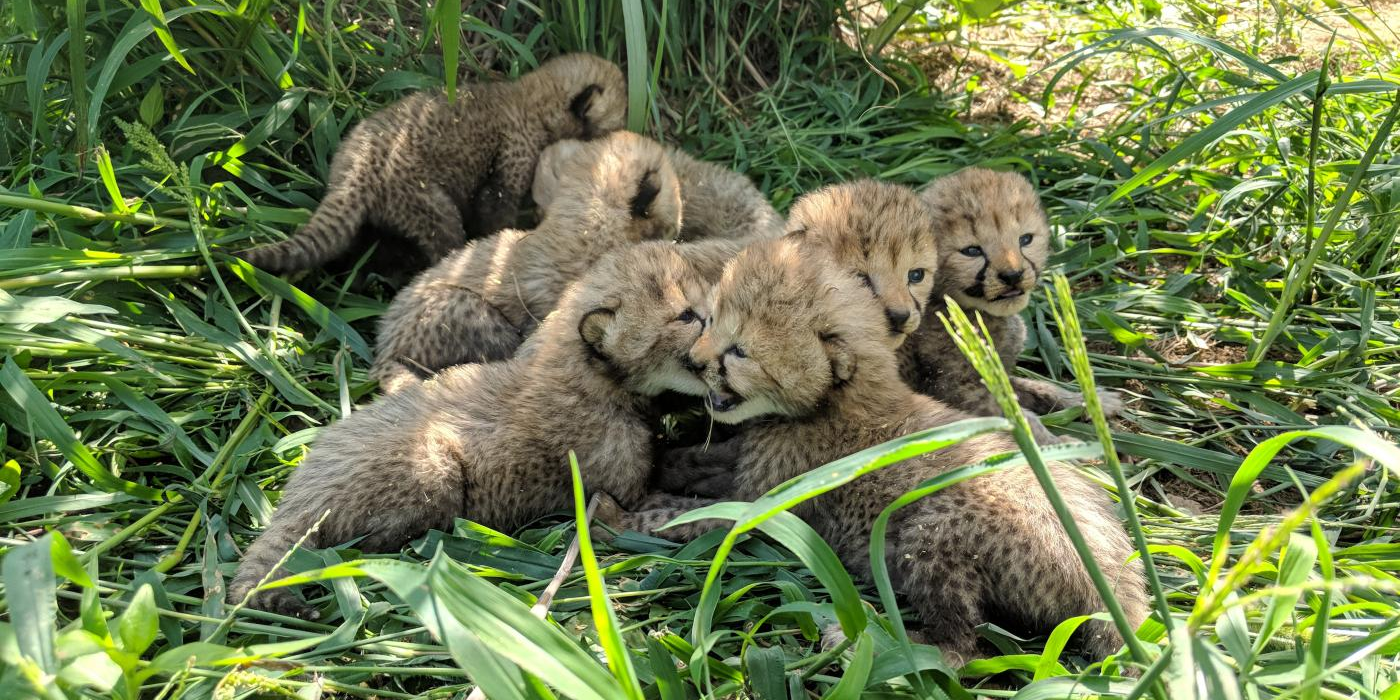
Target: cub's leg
(1044, 397)
(653, 512)
(423, 213)
(699, 470)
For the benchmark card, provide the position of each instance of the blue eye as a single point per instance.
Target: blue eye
(688, 316)
(916, 275)
(1027, 238)
(736, 351)
(972, 251)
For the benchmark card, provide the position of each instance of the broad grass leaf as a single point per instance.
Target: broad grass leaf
(1073, 687)
(1055, 644)
(764, 672)
(1364, 441)
(19, 310)
(137, 627)
(799, 538)
(49, 425)
(638, 85)
(668, 682)
(163, 31)
(493, 674)
(29, 591)
(857, 673)
(604, 618)
(66, 564)
(1294, 567)
(264, 283)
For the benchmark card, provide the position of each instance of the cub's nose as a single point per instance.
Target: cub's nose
(1012, 277)
(897, 319)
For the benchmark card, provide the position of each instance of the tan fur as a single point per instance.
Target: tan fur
(719, 203)
(479, 304)
(879, 233)
(433, 173)
(799, 345)
(980, 218)
(490, 441)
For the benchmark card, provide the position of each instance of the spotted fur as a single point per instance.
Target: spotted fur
(719, 203)
(432, 172)
(993, 241)
(797, 350)
(480, 304)
(490, 441)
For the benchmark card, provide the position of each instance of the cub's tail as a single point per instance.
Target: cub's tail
(330, 233)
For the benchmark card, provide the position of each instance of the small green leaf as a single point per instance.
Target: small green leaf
(9, 480)
(66, 564)
(138, 627)
(152, 105)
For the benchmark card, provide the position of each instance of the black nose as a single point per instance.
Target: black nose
(691, 365)
(1011, 276)
(897, 319)
(723, 401)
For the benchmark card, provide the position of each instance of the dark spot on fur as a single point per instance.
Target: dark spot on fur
(647, 190)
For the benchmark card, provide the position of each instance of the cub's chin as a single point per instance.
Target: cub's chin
(1009, 303)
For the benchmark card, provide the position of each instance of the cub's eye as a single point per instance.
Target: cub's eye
(736, 351)
(1026, 239)
(916, 275)
(688, 316)
(865, 280)
(972, 251)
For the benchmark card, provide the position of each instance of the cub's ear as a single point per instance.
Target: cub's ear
(647, 190)
(843, 359)
(583, 100)
(594, 326)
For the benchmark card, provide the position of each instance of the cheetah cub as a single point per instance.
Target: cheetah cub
(434, 173)
(800, 351)
(993, 241)
(719, 203)
(479, 304)
(490, 441)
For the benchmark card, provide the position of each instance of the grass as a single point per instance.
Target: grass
(1224, 189)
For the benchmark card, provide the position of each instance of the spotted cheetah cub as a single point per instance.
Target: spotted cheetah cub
(433, 172)
(993, 241)
(719, 203)
(490, 441)
(800, 352)
(479, 304)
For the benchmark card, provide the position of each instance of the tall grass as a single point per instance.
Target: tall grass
(1226, 214)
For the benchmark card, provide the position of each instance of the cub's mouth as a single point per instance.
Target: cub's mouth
(1009, 294)
(723, 400)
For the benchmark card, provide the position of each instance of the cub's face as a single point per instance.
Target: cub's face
(645, 326)
(993, 239)
(881, 235)
(776, 343)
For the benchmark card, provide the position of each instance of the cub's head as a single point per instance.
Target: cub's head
(879, 233)
(787, 329)
(620, 185)
(593, 92)
(639, 312)
(992, 237)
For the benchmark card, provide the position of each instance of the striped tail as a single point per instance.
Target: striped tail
(330, 233)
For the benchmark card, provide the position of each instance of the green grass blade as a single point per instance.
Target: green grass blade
(638, 84)
(619, 659)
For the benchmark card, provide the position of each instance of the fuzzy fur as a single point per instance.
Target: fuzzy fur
(797, 349)
(719, 203)
(980, 218)
(481, 303)
(491, 441)
(880, 234)
(433, 173)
